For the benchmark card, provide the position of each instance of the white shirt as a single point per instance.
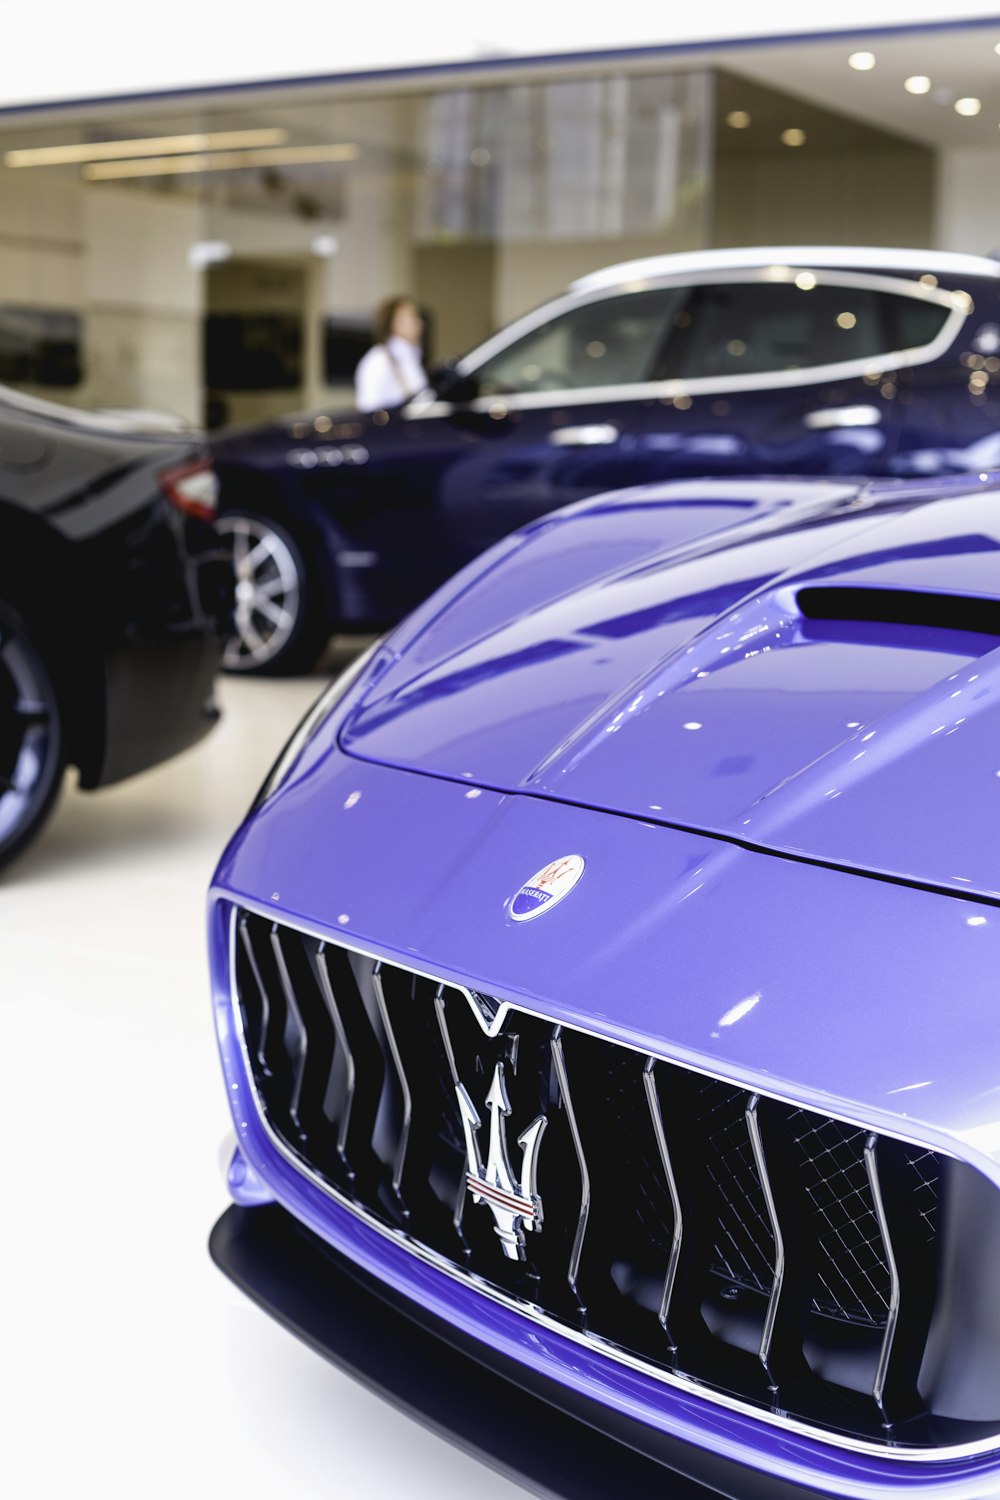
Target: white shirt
(388, 375)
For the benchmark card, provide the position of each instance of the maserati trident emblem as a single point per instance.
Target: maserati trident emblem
(515, 1205)
(546, 888)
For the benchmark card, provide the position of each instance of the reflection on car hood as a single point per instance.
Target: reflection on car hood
(791, 665)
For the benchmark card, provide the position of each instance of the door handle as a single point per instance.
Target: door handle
(830, 417)
(592, 435)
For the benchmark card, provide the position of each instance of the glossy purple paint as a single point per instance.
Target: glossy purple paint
(861, 997)
(693, 690)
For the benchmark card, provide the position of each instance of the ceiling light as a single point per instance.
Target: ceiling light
(737, 119)
(793, 137)
(996, 49)
(862, 62)
(968, 106)
(156, 145)
(218, 161)
(918, 84)
(805, 281)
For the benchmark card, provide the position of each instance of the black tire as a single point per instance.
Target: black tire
(280, 624)
(32, 734)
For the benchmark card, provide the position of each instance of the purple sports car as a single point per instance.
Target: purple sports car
(608, 983)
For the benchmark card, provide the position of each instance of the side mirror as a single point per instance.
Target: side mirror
(449, 384)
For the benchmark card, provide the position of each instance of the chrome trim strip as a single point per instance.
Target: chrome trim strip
(696, 262)
(559, 1059)
(656, 1115)
(591, 435)
(756, 1142)
(338, 1026)
(427, 405)
(592, 1342)
(836, 418)
(871, 1167)
(288, 990)
(404, 1134)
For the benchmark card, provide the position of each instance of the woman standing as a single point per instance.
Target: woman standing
(391, 372)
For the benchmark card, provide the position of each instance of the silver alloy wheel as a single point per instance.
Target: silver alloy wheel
(268, 592)
(30, 735)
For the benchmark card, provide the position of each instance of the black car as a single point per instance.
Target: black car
(804, 360)
(115, 598)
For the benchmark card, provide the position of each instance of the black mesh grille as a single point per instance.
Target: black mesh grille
(852, 1274)
(926, 1186)
(780, 1279)
(744, 1246)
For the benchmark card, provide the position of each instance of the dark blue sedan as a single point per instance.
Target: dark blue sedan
(813, 361)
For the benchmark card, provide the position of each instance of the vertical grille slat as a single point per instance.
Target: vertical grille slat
(892, 1314)
(294, 1014)
(559, 1059)
(368, 1074)
(407, 1119)
(442, 1020)
(323, 974)
(710, 1233)
(656, 1116)
(757, 1145)
(264, 1023)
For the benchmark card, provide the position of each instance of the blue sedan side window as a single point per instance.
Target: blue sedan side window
(755, 328)
(606, 343)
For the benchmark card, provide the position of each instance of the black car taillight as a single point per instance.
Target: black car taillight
(193, 488)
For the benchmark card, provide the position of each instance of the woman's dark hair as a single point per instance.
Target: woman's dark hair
(384, 314)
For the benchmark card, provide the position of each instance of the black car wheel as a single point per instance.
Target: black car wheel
(32, 748)
(277, 628)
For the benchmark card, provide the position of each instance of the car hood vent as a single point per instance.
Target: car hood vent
(902, 607)
(829, 688)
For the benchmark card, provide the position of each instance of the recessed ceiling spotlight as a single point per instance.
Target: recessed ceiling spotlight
(996, 49)
(968, 106)
(918, 84)
(793, 137)
(737, 119)
(862, 62)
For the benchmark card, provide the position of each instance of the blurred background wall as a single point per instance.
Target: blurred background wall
(217, 255)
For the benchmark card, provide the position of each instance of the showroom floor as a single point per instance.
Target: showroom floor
(131, 1366)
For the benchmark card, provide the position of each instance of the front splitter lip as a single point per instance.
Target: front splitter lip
(747, 1437)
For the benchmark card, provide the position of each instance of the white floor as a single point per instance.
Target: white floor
(129, 1366)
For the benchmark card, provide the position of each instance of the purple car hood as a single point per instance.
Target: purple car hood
(806, 668)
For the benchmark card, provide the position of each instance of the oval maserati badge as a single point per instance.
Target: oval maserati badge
(546, 889)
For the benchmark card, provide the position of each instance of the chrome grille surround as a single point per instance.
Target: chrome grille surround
(492, 1018)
